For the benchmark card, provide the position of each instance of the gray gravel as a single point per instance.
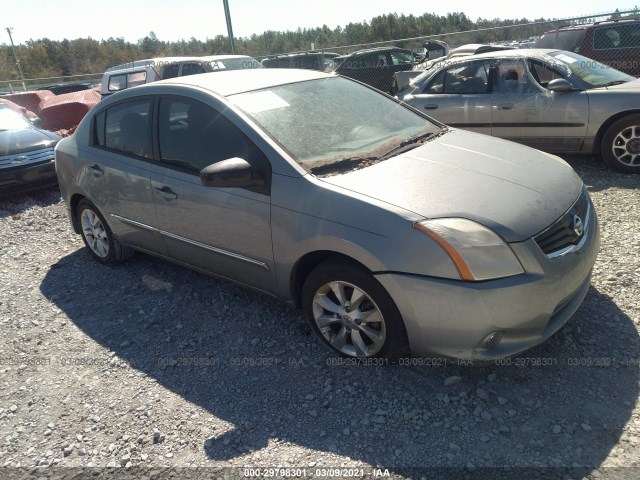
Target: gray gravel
(147, 365)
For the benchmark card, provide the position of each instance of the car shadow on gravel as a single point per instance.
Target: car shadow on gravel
(251, 362)
(597, 176)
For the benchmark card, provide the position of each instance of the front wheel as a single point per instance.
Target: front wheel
(621, 145)
(352, 313)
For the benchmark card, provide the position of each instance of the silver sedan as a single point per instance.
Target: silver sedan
(553, 100)
(394, 234)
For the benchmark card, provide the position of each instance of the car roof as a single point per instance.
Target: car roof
(596, 24)
(300, 54)
(230, 82)
(377, 49)
(476, 49)
(539, 53)
(148, 62)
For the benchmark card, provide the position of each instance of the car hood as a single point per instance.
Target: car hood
(632, 86)
(515, 190)
(20, 141)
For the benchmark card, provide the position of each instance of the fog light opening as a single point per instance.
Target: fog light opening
(492, 340)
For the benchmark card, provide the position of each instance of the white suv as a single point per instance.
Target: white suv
(152, 69)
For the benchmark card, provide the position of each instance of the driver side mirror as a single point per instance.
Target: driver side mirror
(233, 172)
(560, 85)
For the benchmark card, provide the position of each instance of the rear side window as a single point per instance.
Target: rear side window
(128, 128)
(463, 79)
(617, 36)
(98, 129)
(171, 70)
(191, 69)
(126, 80)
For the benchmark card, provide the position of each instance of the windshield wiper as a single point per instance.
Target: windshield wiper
(615, 82)
(407, 144)
(341, 163)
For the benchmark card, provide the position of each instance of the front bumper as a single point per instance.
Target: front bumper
(454, 318)
(28, 176)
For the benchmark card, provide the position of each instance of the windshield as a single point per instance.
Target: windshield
(593, 74)
(325, 121)
(430, 68)
(10, 120)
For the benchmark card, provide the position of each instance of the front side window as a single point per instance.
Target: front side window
(128, 128)
(193, 135)
(543, 73)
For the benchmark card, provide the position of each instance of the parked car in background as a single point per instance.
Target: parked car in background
(153, 69)
(553, 100)
(63, 88)
(614, 42)
(375, 66)
(26, 153)
(392, 232)
(401, 79)
(308, 60)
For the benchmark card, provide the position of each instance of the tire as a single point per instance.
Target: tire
(374, 329)
(621, 145)
(98, 237)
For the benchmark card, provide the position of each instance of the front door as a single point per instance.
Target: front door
(524, 111)
(226, 231)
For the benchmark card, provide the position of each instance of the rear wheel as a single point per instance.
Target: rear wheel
(98, 237)
(352, 313)
(621, 145)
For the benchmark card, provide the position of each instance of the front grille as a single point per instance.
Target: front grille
(568, 230)
(33, 157)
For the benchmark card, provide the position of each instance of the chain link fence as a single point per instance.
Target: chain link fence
(58, 103)
(610, 38)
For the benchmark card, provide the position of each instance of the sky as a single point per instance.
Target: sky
(202, 19)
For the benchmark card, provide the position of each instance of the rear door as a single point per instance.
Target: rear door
(226, 231)
(116, 172)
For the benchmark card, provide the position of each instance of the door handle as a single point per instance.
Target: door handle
(96, 170)
(430, 106)
(166, 193)
(506, 106)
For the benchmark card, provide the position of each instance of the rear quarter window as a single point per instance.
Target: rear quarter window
(562, 40)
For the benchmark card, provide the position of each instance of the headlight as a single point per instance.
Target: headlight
(477, 252)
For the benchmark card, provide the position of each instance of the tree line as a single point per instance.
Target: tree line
(51, 58)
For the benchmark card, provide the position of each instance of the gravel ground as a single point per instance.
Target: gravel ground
(148, 366)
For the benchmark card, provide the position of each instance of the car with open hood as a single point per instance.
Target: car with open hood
(26, 153)
(393, 233)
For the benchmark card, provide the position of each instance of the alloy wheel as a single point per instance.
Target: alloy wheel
(349, 319)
